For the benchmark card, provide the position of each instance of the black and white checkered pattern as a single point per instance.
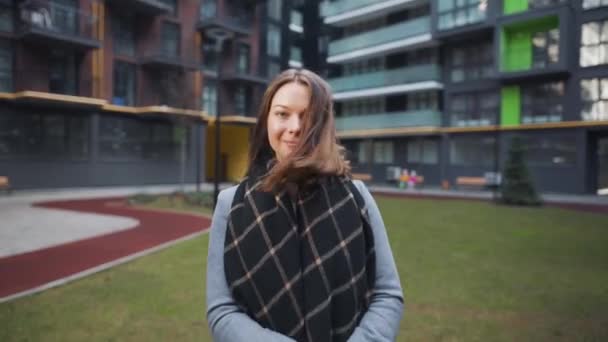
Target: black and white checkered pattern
(302, 265)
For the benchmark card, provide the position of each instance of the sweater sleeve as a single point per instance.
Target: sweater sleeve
(227, 321)
(381, 321)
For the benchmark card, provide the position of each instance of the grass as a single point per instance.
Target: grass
(471, 271)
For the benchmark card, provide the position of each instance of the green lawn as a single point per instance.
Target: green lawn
(471, 272)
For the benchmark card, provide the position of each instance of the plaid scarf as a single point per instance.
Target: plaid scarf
(302, 265)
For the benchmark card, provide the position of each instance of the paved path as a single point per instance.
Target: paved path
(37, 269)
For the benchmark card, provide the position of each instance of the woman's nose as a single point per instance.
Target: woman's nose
(295, 123)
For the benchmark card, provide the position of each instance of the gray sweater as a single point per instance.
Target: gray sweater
(229, 323)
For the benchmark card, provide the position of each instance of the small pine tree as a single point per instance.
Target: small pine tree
(517, 187)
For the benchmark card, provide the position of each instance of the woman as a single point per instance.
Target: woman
(297, 250)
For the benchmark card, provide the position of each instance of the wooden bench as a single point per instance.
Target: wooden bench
(471, 181)
(366, 177)
(5, 184)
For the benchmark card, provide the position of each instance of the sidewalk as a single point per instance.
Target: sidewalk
(62, 235)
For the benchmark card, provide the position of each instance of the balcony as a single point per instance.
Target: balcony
(146, 7)
(385, 82)
(516, 7)
(342, 12)
(54, 24)
(210, 18)
(414, 118)
(167, 57)
(414, 33)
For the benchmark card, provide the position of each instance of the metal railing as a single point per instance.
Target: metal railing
(56, 18)
(383, 35)
(414, 118)
(45, 80)
(389, 77)
(338, 7)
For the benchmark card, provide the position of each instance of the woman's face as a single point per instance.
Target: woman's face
(285, 118)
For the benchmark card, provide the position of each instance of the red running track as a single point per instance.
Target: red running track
(26, 271)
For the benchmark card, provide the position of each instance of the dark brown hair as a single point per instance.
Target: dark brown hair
(318, 152)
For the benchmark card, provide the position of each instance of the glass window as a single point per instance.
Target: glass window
(474, 109)
(423, 151)
(363, 107)
(383, 152)
(550, 151)
(594, 98)
(543, 3)
(172, 4)
(6, 18)
(456, 13)
(123, 35)
(210, 97)
(422, 101)
(594, 43)
(363, 66)
(542, 102)
(273, 69)
(273, 41)
(43, 136)
(472, 151)
(208, 9)
(243, 59)
(364, 151)
(274, 9)
(170, 40)
(209, 55)
(6, 66)
(587, 4)
(545, 48)
(240, 100)
(63, 73)
(471, 62)
(124, 84)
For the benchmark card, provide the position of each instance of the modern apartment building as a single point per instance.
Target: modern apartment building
(442, 87)
(125, 92)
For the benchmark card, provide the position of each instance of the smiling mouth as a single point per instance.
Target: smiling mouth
(291, 143)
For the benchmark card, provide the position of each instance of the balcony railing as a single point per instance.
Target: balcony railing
(295, 54)
(51, 22)
(329, 9)
(151, 7)
(43, 80)
(209, 17)
(380, 36)
(412, 74)
(415, 118)
(167, 57)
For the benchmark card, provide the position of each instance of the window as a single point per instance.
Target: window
(240, 100)
(172, 4)
(545, 48)
(423, 151)
(594, 43)
(471, 62)
(273, 41)
(124, 84)
(6, 18)
(364, 151)
(422, 101)
(274, 69)
(63, 73)
(123, 138)
(456, 13)
(208, 9)
(542, 102)
(123, 35)
(472, 151)
(170, 40)
(594, 98)
(210, 97)
(274, 9)
(210, 59)
(364, 26)
(64, 17)
(550, 151)
(363, 106)
(533, 4)
(48, 136)
(474, 109)
(363, 66)
(383, 152)
(587, 4)
(242, 65)
(6, 66)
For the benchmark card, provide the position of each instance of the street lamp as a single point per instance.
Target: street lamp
(219, 35)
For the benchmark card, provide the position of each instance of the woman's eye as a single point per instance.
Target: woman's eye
(281, 114)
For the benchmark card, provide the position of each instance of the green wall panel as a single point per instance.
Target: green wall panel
(514, 6)
(516, 42)
(510, 106)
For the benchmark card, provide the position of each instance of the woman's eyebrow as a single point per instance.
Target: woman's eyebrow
(280, 105)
